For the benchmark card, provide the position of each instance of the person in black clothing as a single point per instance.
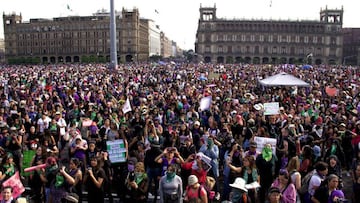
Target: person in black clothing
(153, 168)
(94, 180)
(35, 182)
(14, 144)
(265, 163)
(109, 174)
(197, 132)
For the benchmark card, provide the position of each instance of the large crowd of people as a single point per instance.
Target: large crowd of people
(172, 148)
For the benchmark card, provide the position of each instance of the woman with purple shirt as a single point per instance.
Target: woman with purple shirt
(286, 187)
(78, 150)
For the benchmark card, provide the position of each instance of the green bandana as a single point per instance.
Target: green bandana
(267, 153)
(333, 150)
(170, 176)
(59, 180)
(210, 143)
(11, 172)
(139, 177)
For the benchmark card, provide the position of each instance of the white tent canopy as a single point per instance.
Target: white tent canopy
(283, 79)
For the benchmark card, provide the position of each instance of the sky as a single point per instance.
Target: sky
(179, 19)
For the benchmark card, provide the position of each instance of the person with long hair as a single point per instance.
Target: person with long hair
(286, 187)
(76, 173)
(306, 160)
(8, 167)
(293, 169)
(37, 186)
(94, 180)
(170, 186)
(295, 176)
(323, 193)
(137, 185)
(250, 175)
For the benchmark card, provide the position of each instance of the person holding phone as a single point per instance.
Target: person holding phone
(169, 156)
(94, 181)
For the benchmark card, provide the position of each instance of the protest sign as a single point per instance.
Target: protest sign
(271, 108)
(15, 182)
(127, 107)
(261, 141)
(205, 103)
(116, 150)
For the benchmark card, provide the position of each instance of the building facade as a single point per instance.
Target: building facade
(75, 39)
(351, 54)
(2, 51)
(166, 46)
(221, 40)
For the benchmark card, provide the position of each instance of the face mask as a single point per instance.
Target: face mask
(138, 174)
(236, 196)
(170, 176)
(131, 167)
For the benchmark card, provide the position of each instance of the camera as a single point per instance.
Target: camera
(239, 147)
(131, 176)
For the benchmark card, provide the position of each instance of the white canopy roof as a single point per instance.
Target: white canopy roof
(283, 79)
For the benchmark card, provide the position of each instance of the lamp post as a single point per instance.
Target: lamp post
(113, 54)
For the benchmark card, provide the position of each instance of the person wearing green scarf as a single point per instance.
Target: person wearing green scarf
(265, 163)
(170, 186)
(138, 185)
(9, 167)
(267, 152)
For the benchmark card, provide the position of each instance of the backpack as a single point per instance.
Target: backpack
(208, 193)
(305, 182)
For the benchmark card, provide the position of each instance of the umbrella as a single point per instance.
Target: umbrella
(162, 63)
(307, 67)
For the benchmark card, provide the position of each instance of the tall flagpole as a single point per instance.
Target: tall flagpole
(113, 53)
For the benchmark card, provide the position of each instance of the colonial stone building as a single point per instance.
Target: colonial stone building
(79, 38)
(2, 51)
(221, 40)
(351, 46)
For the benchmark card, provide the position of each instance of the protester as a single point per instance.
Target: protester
(287, 188)
(195, 193)
(137, 185)
(94, 180)
(239, 192)
(153, 106)
(274, 195)
(324, 192)
(6, 193)
(170, 186)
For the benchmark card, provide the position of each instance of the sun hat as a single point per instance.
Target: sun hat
(192, 180)
(239, 183)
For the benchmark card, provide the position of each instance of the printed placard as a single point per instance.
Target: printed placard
(271, 108)
(116, 150)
